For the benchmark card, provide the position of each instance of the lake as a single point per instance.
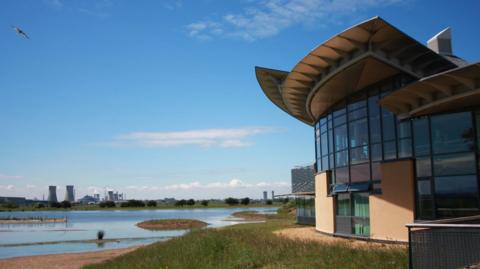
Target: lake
(83, 225)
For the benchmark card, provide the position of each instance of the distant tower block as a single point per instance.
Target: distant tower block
(69, 194)
(110, 196)
(52, 194)
(265, 196)
(273, 195)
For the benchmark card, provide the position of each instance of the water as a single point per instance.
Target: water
(83, 225)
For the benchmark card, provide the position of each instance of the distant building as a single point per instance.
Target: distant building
(70, 194)
(13, 200)
(303, 187)
(110, 196)
(96, 196)
(273, 195)
(265, 196)
(87, 199)
(52, 194)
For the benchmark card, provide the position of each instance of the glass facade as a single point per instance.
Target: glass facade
(305, 209)
(357, 135)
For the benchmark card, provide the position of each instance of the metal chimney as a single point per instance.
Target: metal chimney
(441, 43)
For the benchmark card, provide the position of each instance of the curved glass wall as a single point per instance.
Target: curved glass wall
(357, 135)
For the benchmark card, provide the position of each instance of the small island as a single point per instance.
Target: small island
(250, 215)
(171, 224)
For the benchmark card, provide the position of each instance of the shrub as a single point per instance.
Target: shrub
(204, 202)
(100, 235)
(152, 203)
(133, 203)
(285, 200)
(269, 202)
(191, 202)
(231, 201)
(40, 206)
(66, 204)
(245, 201)
(10, 205)
(107, 204)
(181, 202)
(55, 204)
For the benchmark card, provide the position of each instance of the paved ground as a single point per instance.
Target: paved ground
(62, 261)
(310, 234)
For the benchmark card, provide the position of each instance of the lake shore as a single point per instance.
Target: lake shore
(64, 261)
(32, 220)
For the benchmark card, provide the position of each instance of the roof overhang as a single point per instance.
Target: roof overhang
(353, 58)
(449, 90)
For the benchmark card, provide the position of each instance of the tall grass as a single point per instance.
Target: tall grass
(253, 246)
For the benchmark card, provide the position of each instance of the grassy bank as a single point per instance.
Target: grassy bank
(253, 246)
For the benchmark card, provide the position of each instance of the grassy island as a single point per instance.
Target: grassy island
(255, 245)
(171, 224)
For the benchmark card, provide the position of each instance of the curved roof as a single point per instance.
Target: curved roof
(357, 57)
(459, 87)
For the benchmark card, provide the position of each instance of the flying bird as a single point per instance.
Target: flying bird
(20, 32)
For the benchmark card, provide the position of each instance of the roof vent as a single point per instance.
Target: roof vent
(441, 43)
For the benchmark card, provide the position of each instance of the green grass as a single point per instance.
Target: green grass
(253, 246)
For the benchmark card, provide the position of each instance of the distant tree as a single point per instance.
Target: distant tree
(133, 203)
(66, 204)
(285, 200)
(40, 205)
(9, 205)
(152, 203)
(190, 202)
(269, 202)
(107, 204)
(245, 201)
(55, 204)
(204, 202)
(181, 202)
(231, 201)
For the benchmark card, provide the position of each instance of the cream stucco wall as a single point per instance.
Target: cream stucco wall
(324, 207)
(394, 207)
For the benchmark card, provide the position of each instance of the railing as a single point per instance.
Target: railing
(441, 245)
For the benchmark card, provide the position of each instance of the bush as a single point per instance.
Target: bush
(245, 201)
(107, 204)
(66, 204)
(10, 205)
(133, 203)
(152, 203)
(285, 200)
(55, 204)
(100, 235)
(39, 206)
(191, 202)
(231, 201)
(204, 202)
(181, 202)
(269, 202)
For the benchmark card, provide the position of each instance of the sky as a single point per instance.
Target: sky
(159, 98)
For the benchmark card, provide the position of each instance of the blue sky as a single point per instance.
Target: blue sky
(159, 98)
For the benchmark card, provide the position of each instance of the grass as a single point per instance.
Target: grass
(253, 245)
(171, 224)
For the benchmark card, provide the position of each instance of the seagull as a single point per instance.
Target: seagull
(20, 32)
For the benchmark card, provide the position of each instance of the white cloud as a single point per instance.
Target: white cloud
(30, 186)
(7, 187)
(232, 184)
(267, 18)
(3, 176)
(171, 5)
(226, 138)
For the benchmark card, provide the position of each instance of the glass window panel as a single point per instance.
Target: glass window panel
(341, 175)
(376, 152)
(331, 160)
(373, 107)
(404, 129)
(421, 137)
(360, 205)
(323, 128)
(325, 163)
(358, 133)
(357, 114)
(341, 138)
(456, 195)
(375, 133)
(317, 150)
(424, 188)
(389, 151)
(324, 142)
(339, 112)
(343, 205)
(323, 121)
(330, 121)
(339, 120)
(424, 200)
(388, 125)
(454, 164)
(405, 148)
(359, 155)
(452, 132)
(330, 141)
(423, 166)
(357, 102)
(341, 158)
(376, 172)
(360, 172)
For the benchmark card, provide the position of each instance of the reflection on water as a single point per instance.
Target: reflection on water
(83, 225)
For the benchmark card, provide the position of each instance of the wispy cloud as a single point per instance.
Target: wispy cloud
(225, 138)
(262, 19)
(173, 4)
(196, 185)
(3, 176)
(97, 8)
(7, 187)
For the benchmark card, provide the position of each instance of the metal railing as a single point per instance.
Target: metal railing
(440, 244)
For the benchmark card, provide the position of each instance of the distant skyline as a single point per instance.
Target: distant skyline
(159, 98)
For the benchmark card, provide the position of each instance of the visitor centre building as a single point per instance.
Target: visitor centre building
(397, 129)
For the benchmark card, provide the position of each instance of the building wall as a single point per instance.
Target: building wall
(394, 207)
(303, 179)
(324, 206)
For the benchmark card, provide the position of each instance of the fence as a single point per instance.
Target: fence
(444, 245)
